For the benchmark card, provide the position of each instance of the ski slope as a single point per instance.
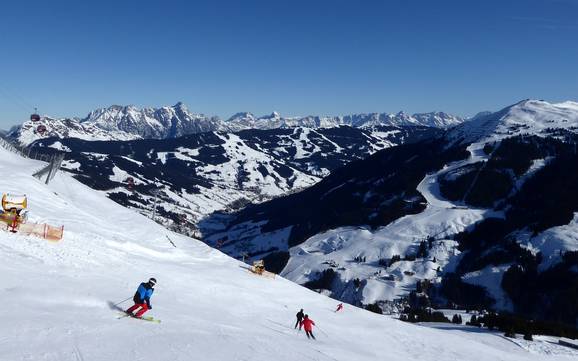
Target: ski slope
(55, 296)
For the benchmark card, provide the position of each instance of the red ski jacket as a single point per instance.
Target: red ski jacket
(307, 324)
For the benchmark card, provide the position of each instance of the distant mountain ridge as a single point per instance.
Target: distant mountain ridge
(130, 123)
(247, 120)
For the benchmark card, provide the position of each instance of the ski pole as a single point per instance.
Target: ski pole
(116, 304)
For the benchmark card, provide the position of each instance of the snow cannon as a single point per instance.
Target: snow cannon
(13, 205)
(14, 202)
(15, 217)
(259, 269)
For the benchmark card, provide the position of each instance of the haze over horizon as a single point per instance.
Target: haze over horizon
(297, 58)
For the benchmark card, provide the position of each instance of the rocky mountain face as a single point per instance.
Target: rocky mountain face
(151, 123)
(484, 214)
(129, 123)
(193, 176)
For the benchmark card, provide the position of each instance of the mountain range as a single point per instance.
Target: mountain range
(129, 123)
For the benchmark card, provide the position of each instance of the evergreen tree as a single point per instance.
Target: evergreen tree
(422, 251)
(510, 333)
(457, 319)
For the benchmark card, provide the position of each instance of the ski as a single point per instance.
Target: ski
(143, 318)
(147, 318)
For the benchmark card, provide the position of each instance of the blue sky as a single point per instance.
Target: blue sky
(296, 57)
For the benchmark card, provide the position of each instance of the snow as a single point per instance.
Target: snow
(162, 156)
(56, 294)
(303, 142)
(491, 279)
(226, 174)
(190, 152)
(542, 345)
(118, 175)
(60, 146)
(71, 165)
(532, 117)
(536, 165)
(555, 240)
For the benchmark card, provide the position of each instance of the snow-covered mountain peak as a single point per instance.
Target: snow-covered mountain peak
(536, 117)
(241, 116)
(180, 105)
(125, 122)
(274, 115)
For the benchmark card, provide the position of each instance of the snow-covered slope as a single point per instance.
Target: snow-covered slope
(129, 122)
(55, 296)
(534, 117)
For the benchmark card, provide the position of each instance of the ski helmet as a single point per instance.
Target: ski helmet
(153, 281)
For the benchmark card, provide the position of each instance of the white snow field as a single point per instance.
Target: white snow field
(54, 296)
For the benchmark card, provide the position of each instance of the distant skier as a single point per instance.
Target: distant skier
(299, 316)
(308, 324)
(142, 298)
(339, 307)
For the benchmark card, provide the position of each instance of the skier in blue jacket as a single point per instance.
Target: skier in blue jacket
(142, 298)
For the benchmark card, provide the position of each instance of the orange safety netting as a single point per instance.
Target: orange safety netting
(42, 230)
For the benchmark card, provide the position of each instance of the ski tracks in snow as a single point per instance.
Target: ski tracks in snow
(77, 353)
(295, 332)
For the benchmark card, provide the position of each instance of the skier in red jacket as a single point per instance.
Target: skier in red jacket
(308, 324)
(339, 307)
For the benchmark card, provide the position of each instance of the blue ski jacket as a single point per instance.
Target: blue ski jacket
(143, 293)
